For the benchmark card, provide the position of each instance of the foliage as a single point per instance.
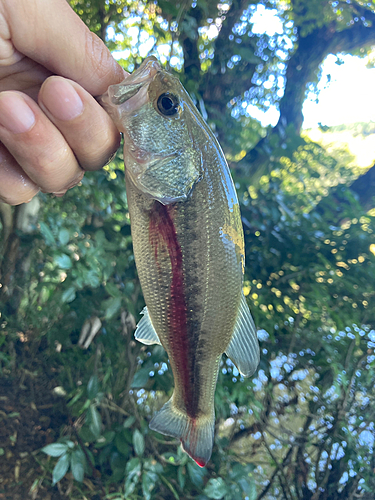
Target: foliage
(69, 456)
(302, 427)
(315, 14)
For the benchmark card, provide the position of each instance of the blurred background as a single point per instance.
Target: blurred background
(288, 87)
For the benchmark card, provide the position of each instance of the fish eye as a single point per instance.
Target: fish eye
(168, 104)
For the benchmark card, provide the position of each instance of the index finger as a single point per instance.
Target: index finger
(51, 33)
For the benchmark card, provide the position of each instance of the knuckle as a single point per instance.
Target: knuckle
(19, 197)
(46, 163)
(99, 142)
(95, 159)
(54, 167)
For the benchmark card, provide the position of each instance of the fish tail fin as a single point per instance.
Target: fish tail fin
(196, 434)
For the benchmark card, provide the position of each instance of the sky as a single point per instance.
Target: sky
(346, 95)
(349, 96)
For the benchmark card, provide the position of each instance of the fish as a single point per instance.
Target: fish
(188, 246)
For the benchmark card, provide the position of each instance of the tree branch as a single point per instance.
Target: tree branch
(272, 478)
(279, 469)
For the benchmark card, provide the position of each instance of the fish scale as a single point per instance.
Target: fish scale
(188, 247)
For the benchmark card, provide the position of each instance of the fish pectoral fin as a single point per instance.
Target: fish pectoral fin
(196, 434)
(145, 331)
(243, 348)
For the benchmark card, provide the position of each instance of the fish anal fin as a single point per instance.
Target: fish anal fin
(243, 348)
(196, 434)
(145, 331)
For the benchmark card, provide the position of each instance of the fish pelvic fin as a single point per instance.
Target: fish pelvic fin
(145, 331)
(195, 433)
(243, 348)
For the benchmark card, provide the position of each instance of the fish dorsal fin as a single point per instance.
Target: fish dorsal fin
(243, 348)
(145, 331)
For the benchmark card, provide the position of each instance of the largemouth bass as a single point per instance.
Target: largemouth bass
(188, 247)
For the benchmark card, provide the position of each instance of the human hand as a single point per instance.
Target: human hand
(51, 127)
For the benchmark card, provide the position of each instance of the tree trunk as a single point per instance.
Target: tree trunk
(364, 187)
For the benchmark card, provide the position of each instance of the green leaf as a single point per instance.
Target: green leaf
(183, 457)
(148, 484)
(47, 234)
(55, 449)
(128, 435)
(87, 435)
(138, 443)
(133, 475)
(61, 468)
(113, 306)
(63, 261)
(92, 279)
(168, 8)
(196, 474)
(252, 492)
(104, 440)
(129, 422)
(104, 454)
(130, 484)
(122, 444)
(34, 487)
(93, 387)
(118, 475)
(129, 288)
(246, 485)
(140, 378)
(69, 295)
(64, 236)
(77, 464)
(70, 444)
(257, 403)
(95, 421)
(248, 55)
(112, 289)
(153, 466)
(75, 398)
(181, 476)
(118, 461)
(216, 488)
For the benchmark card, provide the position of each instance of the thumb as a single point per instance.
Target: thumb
(50, 33)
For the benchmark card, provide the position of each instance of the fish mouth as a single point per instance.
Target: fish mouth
(136, 84)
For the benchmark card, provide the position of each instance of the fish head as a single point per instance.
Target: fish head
(159, 123)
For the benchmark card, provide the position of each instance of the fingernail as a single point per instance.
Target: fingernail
(61, 99)
(15, 114)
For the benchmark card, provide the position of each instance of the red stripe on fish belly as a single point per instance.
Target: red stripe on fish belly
(163, 238)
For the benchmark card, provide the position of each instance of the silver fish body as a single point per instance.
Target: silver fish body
(188, 247)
